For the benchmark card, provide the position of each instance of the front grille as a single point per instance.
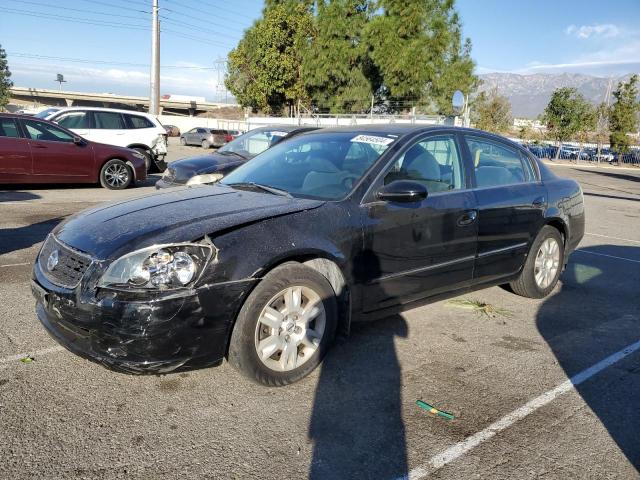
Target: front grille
(71, 265)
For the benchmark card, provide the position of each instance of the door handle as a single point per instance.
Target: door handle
(38, 145)
(539, 202)
(467, 218)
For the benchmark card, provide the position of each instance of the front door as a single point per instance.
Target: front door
(511, 203)
(415, 250)
(15, 156)
(55, 155)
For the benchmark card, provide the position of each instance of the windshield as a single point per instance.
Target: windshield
(46, 113)
(254, 142)
(316, 165)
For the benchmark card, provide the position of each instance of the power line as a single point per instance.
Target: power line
(109, 14)
(191, 25)
(215, 7)
(61, 18)
(103, 62)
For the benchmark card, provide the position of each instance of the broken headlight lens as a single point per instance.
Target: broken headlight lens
(205, 178)
(164, 267)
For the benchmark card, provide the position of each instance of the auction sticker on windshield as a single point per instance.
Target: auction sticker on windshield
(372, 140)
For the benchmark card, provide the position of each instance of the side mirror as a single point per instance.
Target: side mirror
(78, 141)
(404, 191)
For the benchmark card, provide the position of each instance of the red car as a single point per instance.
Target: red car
(33, 150)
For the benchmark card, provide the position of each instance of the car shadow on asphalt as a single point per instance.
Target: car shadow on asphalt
(356, 425)
(13, 239)
(11, 195)
(594, 314)
(619, 176)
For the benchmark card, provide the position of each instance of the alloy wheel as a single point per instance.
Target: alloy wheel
(547, 263)
(290, 328)
(116, 175)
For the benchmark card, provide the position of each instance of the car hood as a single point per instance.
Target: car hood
(209, 163)
(175, 216)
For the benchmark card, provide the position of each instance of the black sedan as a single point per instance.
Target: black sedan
(328, 228)
(212, 167)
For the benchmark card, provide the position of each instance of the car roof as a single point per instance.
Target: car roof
(101, 109)
(282, 128)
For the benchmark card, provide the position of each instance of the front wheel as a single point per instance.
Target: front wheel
(543, 267)
(115, 175)
(285, 326)
(183, 141)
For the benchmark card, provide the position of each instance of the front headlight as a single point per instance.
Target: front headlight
(205, 178)
(161, 267)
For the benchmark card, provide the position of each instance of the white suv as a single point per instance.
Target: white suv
(124, 128)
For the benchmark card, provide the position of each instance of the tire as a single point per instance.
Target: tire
(532, 282)
(267, 304)
(183, 141)
(206, 145)
(148, 162)
(115, 175)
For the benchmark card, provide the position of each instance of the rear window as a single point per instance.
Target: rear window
(109, 121)
(8, 128)
(136, 121)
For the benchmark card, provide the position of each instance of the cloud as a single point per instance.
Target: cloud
(605, 30)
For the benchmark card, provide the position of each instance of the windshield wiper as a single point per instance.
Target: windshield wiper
(265, 188)
(230, 152)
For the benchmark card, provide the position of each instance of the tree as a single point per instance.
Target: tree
(623, 117)
(5, 79)
(338, 72)
(492, 112)
(566, 114)
(417, 47)
(264, 70)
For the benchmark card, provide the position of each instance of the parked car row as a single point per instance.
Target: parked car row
(208, 137)
(325, 228)
(590, 154)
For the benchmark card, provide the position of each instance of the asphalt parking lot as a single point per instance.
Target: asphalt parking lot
(503, 377)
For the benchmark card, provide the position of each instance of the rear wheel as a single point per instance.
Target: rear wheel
(285, 326)
(115, 175)
(206, 145)
(543, 267)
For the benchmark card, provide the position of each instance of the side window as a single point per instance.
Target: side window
(109, 121)
(496, 164)
(8, 128)
(434, 162)
(530, 173)
(73, 120)
(136, 121)
(43, 131)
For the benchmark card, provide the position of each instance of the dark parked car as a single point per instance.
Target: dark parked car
(33, 150)
(212, 167)
(330, 227)
(205, 137)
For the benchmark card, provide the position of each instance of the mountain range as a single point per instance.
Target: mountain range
(529, 94)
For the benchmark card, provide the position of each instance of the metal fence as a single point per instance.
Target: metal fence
(589, 153)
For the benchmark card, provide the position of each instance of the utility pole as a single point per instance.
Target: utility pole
(154, 91)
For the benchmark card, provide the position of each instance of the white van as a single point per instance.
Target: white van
(125, 128)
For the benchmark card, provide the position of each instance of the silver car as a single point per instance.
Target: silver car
(205, 137)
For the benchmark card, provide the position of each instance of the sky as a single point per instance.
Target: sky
(104, 45)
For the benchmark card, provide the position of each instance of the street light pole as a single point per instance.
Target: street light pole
(154, 93)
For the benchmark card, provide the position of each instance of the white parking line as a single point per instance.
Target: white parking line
(612, 238)
(15, 264)
(459, 449)
(608, 256)
(38, 353)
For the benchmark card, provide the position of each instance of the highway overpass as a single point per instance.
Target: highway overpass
(24, 97)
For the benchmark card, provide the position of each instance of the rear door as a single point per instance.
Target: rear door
(15, 154)
(55, 155)
(511, 203)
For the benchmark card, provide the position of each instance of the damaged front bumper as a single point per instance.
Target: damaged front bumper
(159, 333)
